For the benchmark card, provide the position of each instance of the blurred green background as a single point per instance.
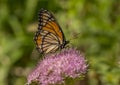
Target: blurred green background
(97, 21)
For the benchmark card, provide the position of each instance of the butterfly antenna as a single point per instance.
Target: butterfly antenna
(75, 36)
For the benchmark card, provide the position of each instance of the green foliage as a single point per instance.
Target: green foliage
(97, 21)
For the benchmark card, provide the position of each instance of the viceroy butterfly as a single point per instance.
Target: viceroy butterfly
(49, 37)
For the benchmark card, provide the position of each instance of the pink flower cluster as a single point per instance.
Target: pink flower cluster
(53, 69)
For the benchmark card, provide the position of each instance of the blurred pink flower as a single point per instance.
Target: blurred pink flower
(54, 68)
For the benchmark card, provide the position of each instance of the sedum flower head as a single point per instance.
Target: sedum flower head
(53, 69)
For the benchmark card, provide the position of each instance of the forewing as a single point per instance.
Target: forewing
(48, 22)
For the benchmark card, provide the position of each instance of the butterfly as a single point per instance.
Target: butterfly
(49, 37)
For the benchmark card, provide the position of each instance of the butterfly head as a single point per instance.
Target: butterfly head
(64, 44)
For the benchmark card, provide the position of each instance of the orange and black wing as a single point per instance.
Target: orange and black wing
(49, 36)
